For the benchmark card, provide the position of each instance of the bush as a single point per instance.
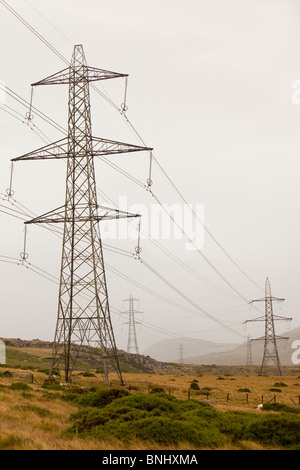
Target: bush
(281, 430)
(280, 407)
(162, 418)
(98, 398)
(6, 374)
(158, 418)
(19, 386)
(157, 390)
(194, 386)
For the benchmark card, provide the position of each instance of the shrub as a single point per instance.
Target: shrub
(164, 419)
(6, 374)
(19, 386)
(244, 390)
(280, 407)
(194, 386)
(151, 418)
(99, 398)
(157, 390)
(282, 430)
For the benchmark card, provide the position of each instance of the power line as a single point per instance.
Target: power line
(121, 111)
(160, 246)
(164, 279)
(187, 299)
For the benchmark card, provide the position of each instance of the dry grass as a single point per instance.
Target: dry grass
(221, 388)
(32, 420)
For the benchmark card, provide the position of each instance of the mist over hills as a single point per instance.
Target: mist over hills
(228, 354)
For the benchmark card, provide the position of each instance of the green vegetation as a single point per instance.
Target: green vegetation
(166, 420)
(19, 386)
(194, 385)
(280, 407)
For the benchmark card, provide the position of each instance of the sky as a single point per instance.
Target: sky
(212, 88)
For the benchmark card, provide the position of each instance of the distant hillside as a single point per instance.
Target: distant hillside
(168, 350)
(238, 355)
(210, 353)
(36, 354)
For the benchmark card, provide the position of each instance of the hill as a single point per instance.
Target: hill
(238, 355)
(36, 353)
(169, 349)
(230, 355)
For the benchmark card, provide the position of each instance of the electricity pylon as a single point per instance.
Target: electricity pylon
(83, 306)
(249, 352)
(270, 338)
(132, 344)
(181, 354)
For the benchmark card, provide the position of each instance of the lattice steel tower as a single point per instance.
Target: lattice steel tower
(83, 306)
(249, 352)
(270, 339)
(132, 344)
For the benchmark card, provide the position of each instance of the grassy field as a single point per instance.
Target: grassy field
(37, 417)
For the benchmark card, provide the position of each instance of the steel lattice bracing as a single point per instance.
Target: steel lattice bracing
(270, 354)
(83, 306)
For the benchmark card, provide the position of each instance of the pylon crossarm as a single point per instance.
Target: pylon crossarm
(110, 147)
(58, 149)
(255, 319)
(59, 215)
(101, 147)
(278, 318)
(263, 299)
(83, 74)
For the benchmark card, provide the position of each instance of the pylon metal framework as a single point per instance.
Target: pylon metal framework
(132, 344)
(181, 354)
(83, 305)
(270, 339)
(249, 351)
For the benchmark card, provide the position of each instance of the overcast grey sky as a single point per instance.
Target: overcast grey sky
(210, 89)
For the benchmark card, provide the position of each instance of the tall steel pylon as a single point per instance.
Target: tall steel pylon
(83, 306)
(249, 352)
(132, 344)
(181, 354)
(270, 339)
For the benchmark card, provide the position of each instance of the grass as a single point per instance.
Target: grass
(92, 415)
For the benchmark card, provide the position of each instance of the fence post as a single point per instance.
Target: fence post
(227, 396)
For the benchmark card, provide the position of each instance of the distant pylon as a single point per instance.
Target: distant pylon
(270, 338)
(132, 344)
(181, 354)
(249, 351)
(83, 307)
